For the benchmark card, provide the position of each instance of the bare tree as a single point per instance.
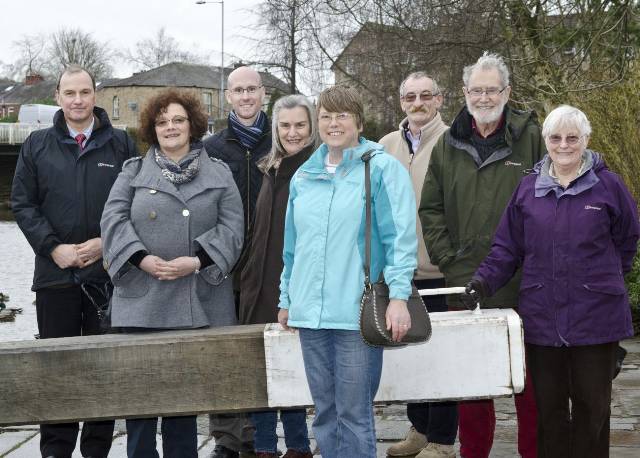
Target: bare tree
(73, 46)
(159, 50)
(32, 55)
(287, 43)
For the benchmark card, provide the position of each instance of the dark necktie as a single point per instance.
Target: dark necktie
(80, 138)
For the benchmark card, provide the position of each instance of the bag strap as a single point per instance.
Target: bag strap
(366, 157)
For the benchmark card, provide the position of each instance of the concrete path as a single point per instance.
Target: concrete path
(391, 423)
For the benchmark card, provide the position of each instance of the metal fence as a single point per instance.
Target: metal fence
(17, 133)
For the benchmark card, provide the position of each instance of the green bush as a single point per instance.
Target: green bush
(633, 286)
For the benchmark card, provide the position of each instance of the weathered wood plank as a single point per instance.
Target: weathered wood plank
(118, 376)
(470, 356)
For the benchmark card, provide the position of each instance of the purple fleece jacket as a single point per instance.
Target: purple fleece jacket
(574, 246)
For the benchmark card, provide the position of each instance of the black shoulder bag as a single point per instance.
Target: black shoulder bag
(375, 297)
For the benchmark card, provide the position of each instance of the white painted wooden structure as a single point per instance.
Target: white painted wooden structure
(471, 355)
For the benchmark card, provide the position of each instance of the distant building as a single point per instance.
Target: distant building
(378, 57)
(35, 89)
(124, 98)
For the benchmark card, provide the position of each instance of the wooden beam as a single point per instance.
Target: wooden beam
(132, 375)
(470, 356)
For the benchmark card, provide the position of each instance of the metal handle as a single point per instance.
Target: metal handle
(451, 290)
(439, 291)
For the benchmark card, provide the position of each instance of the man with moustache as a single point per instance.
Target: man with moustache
(474, 168)
(433, 424)
(245, 141)
(62, 181)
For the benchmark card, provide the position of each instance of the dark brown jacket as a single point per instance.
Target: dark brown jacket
(260, 278)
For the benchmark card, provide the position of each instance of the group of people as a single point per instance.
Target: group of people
(264, 222)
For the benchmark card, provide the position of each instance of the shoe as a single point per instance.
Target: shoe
(220, 451)
(412, 444)
(291, 453)
(433, 450)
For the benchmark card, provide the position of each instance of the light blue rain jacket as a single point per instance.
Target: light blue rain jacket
(323, 276)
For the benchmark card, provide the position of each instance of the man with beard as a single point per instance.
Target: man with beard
(474, 168)
(433, 424)
(245, 141)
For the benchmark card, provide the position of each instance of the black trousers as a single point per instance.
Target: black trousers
(436, 420)
(67, 312)
(572, 387)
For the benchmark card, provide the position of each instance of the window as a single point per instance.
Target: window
(207, 100)
(116, 107)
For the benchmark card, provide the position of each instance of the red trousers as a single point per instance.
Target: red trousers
(477, 423)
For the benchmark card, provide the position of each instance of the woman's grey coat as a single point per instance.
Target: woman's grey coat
(146, 212)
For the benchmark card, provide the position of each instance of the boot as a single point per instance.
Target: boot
(433, 450)
(412, 444)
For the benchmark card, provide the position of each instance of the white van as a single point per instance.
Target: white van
(36, 113)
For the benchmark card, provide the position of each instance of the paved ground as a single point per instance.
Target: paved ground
(22, 442)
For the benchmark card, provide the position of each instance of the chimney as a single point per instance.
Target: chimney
(33, 78)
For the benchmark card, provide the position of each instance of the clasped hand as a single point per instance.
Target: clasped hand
(77, 255)
(169, 270)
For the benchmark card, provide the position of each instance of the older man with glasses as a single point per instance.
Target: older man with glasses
(433, 424)
(474, 168)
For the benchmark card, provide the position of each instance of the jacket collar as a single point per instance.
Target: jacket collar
(588, 178)
(515, 120)
(290, 164)
(429, 130)
(150, 176)
(351, 157)
(101, 123)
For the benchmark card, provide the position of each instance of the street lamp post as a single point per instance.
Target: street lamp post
(221, 92)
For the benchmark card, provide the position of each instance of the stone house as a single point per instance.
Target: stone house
(123, 99)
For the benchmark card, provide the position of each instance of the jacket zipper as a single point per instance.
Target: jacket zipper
(247, 222)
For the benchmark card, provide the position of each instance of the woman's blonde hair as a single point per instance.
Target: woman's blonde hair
(277, 153)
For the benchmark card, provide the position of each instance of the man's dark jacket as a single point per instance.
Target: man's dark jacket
(58, 193)
(242, 162)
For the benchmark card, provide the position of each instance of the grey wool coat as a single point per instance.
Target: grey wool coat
(147, 212)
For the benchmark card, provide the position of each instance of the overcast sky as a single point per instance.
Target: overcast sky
(122, 23)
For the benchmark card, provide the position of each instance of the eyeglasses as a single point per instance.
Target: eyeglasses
(241, 90)
(326, 118)
(569, 139)
(490, 91)
(424, 96)
(177, 121)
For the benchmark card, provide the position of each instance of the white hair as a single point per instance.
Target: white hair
(566, 116)
(487, 61)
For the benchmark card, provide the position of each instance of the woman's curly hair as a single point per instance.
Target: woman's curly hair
(198, 119)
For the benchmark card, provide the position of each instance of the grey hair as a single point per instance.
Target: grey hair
(278, 152)
(75, 68)
(417, 76)
(566, 116)
(487, 61)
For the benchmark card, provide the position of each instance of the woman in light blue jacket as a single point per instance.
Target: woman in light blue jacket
(323, 277)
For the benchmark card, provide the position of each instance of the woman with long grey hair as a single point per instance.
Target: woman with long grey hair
(295, 137)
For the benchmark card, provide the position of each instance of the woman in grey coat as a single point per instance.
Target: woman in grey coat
(172, 230)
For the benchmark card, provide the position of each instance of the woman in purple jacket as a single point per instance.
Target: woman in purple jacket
(572, 226)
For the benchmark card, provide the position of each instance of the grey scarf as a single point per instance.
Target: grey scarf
(182, 172)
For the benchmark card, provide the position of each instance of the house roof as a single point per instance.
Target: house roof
(19, 93)
(180, 74)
